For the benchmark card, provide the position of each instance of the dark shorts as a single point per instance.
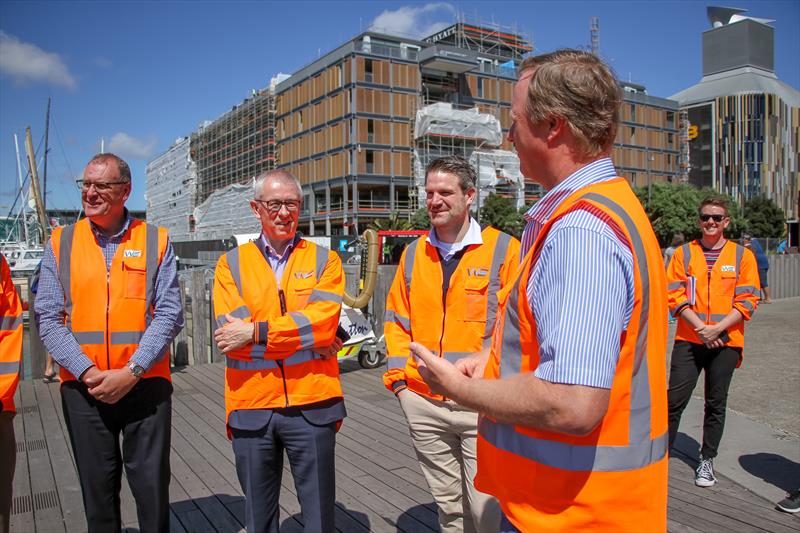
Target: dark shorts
(762, 278)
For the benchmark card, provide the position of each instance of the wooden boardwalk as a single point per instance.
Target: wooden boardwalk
(379, 484)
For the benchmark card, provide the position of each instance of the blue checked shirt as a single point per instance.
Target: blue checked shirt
(167, 320)
(581, 288)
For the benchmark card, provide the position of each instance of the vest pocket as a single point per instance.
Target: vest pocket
(475, 298)
(135, 283)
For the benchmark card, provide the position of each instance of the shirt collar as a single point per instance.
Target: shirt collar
(472, 236)
(271, 251)
(595, 172)
(99, 234)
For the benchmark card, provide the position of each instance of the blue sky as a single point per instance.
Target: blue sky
(141, 74)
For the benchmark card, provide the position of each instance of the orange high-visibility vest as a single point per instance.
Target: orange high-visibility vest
(108, 319)
(10, 337)
(281, 370)
(615, 478)
(732, 284)
(415, 310)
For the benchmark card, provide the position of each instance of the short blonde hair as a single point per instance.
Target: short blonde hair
(277, 175)
(580, 88)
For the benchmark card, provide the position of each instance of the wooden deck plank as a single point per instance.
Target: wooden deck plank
(22, 501)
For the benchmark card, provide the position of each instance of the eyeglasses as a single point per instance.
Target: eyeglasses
(717, 218)
(98, 186)
(274, 206)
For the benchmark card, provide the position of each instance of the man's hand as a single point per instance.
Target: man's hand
(93, 376)
(114, 386)
(330, 351)
(473, 365)
(235, 334)
(708, 333)
(441, 375)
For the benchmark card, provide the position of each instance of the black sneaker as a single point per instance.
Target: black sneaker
(791, 503)
(704, 475)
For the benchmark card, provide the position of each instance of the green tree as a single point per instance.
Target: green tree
(391, 223)
(420, 219)
(763, 218)
(501, 213)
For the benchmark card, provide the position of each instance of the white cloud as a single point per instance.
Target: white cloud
(413, 21)
(128, 147)
(27, 63)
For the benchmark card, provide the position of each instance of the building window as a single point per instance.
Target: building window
(633, 112)
(370, 162)
(670, 139)
(632, 137)
(370, 131)
(480, 88)
(670, 119)
(368, 70)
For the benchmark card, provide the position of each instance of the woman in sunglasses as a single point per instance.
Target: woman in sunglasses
(712, 287)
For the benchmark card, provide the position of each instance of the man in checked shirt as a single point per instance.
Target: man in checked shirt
(108, 308)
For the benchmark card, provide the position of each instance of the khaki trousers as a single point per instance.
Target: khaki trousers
(445, 438)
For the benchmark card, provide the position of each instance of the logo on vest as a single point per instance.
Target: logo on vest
(480, 272)
(303, 275)
(133, 253)
(728, 268)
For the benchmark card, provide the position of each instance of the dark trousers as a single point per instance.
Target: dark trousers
(259, 464)
(143, 419)
(688, 359)
(8, 462)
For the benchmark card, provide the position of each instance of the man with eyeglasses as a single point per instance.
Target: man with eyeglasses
(712, 289)
(277, 302)
(107, 308)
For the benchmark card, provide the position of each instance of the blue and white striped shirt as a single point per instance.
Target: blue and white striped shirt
(167, 320)
(581, 289)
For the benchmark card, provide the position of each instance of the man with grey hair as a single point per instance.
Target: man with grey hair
(572, 395)
(444, 295)
(277, 303)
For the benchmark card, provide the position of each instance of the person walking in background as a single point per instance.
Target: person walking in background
(444, 295)
(107, 309)
(713, 289)
(10, 361)
(50, 374)
(762, 262)
(573, 428)
(277, 302)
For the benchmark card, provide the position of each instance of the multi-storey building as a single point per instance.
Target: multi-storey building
(171, 188)
(745, 123)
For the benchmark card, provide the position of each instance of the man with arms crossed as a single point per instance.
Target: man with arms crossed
(573, 427)
(444, 295)
(108, 308)
(277, 303)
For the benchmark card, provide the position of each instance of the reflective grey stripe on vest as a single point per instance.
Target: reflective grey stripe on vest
(10, 322)
(64, 271)
(715, 317)
(744, 289)
(151, 269)
(455, 356)
(304, 329)
(297, 358)
(574, 457)
(126, 337)
(500, 249)
(739, 254)
(324, 296)
(233, 265)
(748, 305)
(89, 337)
(687, 257)
(9, 367)
(408, 265)
(644, 450)
(396, 361)
(321, 260)
(676, 285)
(392, 316)
(240, 312)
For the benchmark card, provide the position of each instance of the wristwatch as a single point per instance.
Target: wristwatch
(135, 369)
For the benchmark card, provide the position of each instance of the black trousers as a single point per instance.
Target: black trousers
(143, 419)
(259, 465)
(8, 462)
(688, 359)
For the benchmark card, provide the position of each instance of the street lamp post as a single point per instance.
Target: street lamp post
(650, 159)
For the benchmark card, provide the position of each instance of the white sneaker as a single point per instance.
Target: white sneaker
(704, 475)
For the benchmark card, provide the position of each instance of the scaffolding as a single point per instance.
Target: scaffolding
(226, 212)
(170, 193)
(237, 146)
(485, 38)
(684, 164)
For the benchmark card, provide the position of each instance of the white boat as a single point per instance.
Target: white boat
(22, 259)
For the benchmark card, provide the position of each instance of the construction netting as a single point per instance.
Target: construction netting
(171, 185)
(498, 173)
(440, 119)
(226, 212)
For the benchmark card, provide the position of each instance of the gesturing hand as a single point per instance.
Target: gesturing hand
(235, 334)
(440, 374)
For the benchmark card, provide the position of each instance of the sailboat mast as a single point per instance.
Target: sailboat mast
(43, 225)
(44, 170)
(22, 207)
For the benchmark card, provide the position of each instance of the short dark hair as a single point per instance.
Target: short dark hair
(715, 201)
(124, 169)
(456, 165)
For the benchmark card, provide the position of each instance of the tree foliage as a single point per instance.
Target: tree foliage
(673, 209)
(501, 213)
(420, 219)
(763, 218)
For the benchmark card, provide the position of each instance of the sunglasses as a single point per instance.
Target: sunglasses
(717, 218)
